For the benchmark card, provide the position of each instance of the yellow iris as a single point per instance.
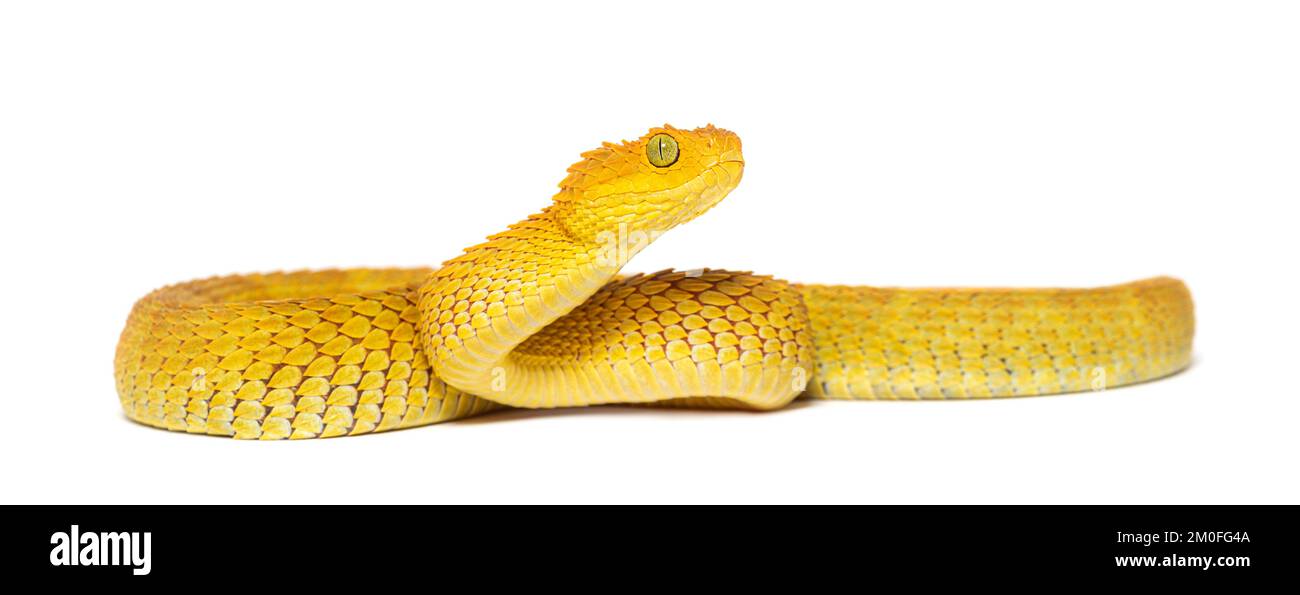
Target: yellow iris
(661, 150)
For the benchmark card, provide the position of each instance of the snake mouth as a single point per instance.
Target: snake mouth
(726, 176)
(732, 155)
(733, 164)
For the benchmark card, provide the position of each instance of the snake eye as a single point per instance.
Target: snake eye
(661, 150)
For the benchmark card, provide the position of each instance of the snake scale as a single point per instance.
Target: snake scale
(539, 316)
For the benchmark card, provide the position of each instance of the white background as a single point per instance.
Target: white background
(919, 143)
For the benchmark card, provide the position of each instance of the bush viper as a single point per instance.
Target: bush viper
(538, 316)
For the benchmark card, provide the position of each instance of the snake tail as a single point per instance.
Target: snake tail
(883, 343)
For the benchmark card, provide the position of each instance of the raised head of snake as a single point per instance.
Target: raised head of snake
(647, 186)
(534, 317)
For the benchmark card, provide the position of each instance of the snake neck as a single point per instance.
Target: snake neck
(480, 306)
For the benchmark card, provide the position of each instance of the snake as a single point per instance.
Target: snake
(540, 315)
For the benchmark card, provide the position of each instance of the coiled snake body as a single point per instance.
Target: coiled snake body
(538, 317)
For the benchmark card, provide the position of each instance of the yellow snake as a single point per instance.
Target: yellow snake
(538, 316)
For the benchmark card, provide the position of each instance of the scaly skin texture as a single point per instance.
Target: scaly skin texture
(877, 343)
(537, 317)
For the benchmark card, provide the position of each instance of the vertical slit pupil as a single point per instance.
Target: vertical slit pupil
(662, 150)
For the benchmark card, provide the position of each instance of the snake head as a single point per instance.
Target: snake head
(647, 186)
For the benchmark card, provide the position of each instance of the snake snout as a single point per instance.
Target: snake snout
(726, 145)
